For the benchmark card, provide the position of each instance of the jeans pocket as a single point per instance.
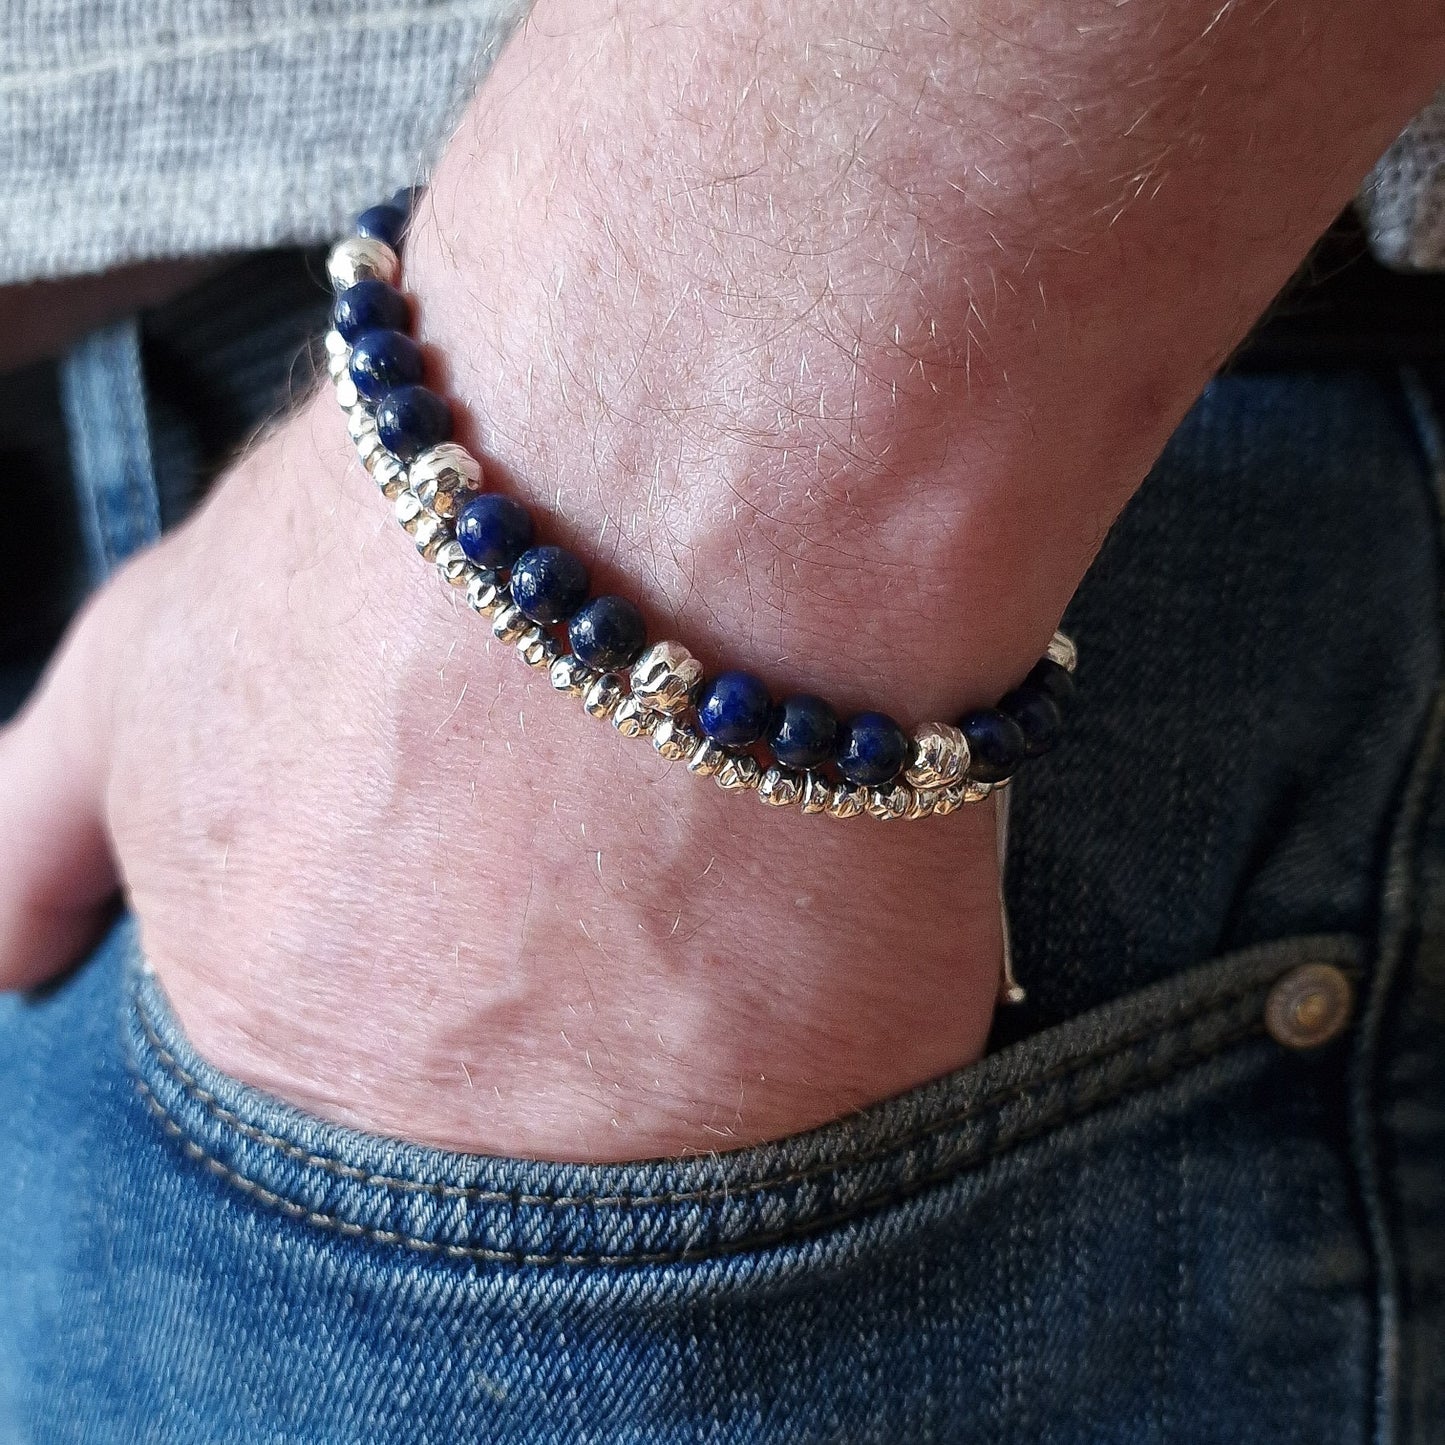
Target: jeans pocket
(1137, 1225)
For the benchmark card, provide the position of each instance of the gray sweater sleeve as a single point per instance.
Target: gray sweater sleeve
(136, 130)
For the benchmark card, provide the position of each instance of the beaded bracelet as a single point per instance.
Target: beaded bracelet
(536, 597)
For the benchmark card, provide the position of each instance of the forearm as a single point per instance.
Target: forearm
(838, 344)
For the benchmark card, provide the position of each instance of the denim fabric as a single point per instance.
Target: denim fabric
(1139, 1219)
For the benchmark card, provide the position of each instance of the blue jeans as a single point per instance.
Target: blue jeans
(1142, 1217)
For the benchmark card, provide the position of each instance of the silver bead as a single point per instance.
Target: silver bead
(817, 791)
(739, 773)
(452, 563)
(675, 740)
(920, 803)
(890, 801)
(1061, 649)
(939, 756)
(538, 648)
(780, 787)
(337, 362)
(947, 800)
(359, 258)
(666, 676)
(486, 593)
(359, 421)
(707, 757)
(632, 719)
(336, 345)
(444, 477)
(603, 694)
(972, 791)
(571, 675)
(509, 623)
(846, 801)
(347, 395)
(430, 534)
(387, 472)
(408, 508)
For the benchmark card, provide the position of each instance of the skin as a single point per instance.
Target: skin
(837, 340)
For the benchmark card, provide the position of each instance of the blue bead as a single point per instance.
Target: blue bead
(872, 749)
(406, 198)
(381, 361)
(803, 731)
(494, 530)
(995, 744)
(608, 633)
(411, 419)
(1053, 678)
(733, 709)
(1038, 717)
(549, 584)
(370, 305)
(382, 223)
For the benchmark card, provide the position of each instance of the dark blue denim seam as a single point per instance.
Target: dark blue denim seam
(1397, 913)
(1182, 1044)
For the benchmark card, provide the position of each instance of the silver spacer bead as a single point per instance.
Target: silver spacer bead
(387, 472)
(891, 801)
(1061, 649)
(486, 593)
(780, 787)
(453, 565)
(336, 346)
(707, 757)
(603, 695)
(337, 362)
(666, 676)
(939, 756)
(509, 623)
(845, 801)
(408, 508)
(571, 675)
(817, 791)
(947, 800)
(430, 534)
(739, 773)
(359, 258)
(974, 791)
(444, 477)
(633, 719)
(360, 421)
(347, 395)
(675, 740)
(920, 803)
(538, 648)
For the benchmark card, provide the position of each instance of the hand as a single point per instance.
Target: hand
(836, 341)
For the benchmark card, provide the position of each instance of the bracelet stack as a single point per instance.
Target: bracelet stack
(725, 726)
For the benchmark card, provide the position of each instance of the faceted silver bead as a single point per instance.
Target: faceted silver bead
(707, 757)
(947, 800)
(632, 719)
(370, 450)
(920, 803)
(939, 756)
(347, 395)
(387, 472)
(972, 791)
(408, 508)
(888, 802)
(337, 362)
(336, 345)
(486, 593)
(359, 258)
(509, 623)
(444, 477)
(1062, 650)
(675, 740)
(359, 421)
(430, 534)
(538, 648)
(603, 695)
(817, 791)
(571, 675)
(739, 773)
(846, 801)
(453, 565)
(780, 787)
(666, 676)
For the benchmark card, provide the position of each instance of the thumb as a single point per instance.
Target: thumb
(57, 876)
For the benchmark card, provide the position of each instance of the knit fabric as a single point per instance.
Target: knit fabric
(137, 130)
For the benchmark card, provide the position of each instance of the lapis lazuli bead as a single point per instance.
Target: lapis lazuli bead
(381, 361)
(995, 744)
(1038, 717)
(608, 633)
(803, 732)
(370, 305)
(494, 530)
(549, 584)
(733, 709)
(382, 223)
(872, 749)
(1053, 678)
(406, 198)
(411, 419)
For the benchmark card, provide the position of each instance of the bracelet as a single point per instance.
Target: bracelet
(536, 596)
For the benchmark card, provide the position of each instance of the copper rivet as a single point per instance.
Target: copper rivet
(1309, 1006)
